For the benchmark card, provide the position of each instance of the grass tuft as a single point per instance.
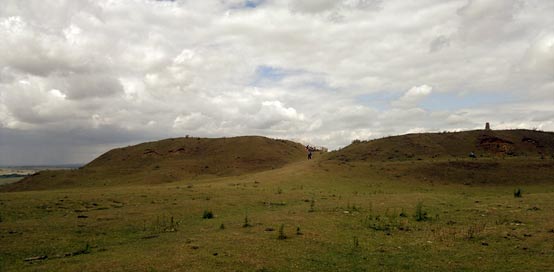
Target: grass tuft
(475, 230)
(282, 235)
(312, 205)
(420, 214)
(355, 242)
(246, 224)
(207, 214)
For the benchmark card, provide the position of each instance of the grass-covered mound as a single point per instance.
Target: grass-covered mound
(171, 160)
(419, 146)
(500, 157)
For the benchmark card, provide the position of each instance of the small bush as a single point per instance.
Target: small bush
(222, 226)
(282, 235)
(162, 224)
(312, 206)
(208, 214)
(474, 230)
(403, 214)
(352, 208)
(355, 242)
(517, 192)
(246, 223)
(85, 250)
(420, 214)
(386, 223)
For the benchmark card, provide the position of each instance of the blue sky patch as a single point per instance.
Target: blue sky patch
(248, 4)
(252, 3)
(270, 73)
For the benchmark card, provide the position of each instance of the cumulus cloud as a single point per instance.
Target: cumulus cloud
(78, 77)
(313, 6)
(486, 20)
(89, 86)
(192, 121)
(412, 96)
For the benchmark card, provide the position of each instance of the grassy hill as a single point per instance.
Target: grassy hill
(484, 143)
(502, 156)
(171, 160)
(337, 212)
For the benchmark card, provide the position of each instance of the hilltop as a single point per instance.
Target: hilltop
(419, 146)
(171, 160)
(501, 157)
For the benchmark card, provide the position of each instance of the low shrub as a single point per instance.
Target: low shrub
(207, 214)
(420, 214)
(282, 235)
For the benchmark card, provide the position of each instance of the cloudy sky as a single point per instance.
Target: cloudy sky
(80, 77)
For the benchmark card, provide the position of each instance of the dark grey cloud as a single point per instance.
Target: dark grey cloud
(88, 86)
(439, 43)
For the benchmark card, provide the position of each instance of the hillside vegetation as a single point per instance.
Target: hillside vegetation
(501, 157)
(351, 210)
(484, 143)
(171, 160)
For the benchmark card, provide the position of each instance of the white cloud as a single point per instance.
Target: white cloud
(324, 72)
(58, 94)
(312, 6)
(192, 121)
(413, 96)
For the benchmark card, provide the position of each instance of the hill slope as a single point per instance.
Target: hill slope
(502, 157)
(170, 160)
(484, 143)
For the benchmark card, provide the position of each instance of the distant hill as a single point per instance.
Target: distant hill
(484, 143)
(170, 160)
(502, 156)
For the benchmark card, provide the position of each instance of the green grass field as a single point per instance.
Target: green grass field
(348, 220)
(8, 180)
(438, 214)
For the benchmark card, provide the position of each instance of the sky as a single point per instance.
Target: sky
(78, 78)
